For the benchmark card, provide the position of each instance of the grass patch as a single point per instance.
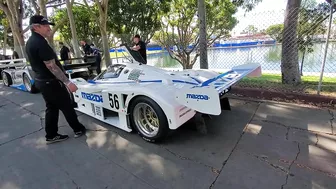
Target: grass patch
(308, 85)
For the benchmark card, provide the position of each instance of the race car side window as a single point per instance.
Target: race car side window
(113, 71)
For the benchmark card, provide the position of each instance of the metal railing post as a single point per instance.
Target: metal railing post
(326, 47)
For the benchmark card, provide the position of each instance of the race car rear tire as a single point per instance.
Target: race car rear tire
(28, 85)
(155, 116)
(6, 79)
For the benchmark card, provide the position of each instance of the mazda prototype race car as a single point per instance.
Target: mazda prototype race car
(18, 75)
(153, 101)
(21, 76)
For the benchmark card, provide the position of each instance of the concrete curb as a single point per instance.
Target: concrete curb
(261, 94)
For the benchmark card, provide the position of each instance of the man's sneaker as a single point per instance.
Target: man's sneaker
(80, 133)
(57, 138)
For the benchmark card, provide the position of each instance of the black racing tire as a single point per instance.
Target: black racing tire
(6, 79)
(28, 85)
(163, 129)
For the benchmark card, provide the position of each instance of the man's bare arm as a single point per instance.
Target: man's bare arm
(136, 48)
(51, 65)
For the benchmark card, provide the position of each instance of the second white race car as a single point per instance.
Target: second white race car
(18, 75)
(21, 76)
(153, 101)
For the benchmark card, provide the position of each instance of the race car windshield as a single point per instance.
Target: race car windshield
(135, 54)
(112, 71)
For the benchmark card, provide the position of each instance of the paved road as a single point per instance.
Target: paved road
(256, 145)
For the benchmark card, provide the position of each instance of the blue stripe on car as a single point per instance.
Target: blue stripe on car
(144, 81)
(187, 82)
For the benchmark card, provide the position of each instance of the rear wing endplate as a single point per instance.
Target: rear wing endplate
(205, 97)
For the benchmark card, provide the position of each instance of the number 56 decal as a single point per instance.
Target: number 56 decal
(113, 100)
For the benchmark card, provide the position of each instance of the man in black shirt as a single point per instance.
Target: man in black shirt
(65, 53)
(96, 52)
(15, 55)
(51, 80)
(87, 50)
(140, 46)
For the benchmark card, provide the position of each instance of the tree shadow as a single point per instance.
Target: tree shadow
(186, 160)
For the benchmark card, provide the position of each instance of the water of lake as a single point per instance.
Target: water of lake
(268, 56)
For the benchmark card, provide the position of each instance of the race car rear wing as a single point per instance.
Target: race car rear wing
(205, 97)
(13, 63)
(231, 77)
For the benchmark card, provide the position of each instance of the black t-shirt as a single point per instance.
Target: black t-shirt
(38, 50)
(64, 53)
(15, 55)
(87, 49)
(142, 50)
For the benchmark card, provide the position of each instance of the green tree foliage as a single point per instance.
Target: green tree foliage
(129, 17)
(182, 21)
(275, 31)
(86, 26)
(310, 23)
(251, 30)
(247, 5)
(5, 30)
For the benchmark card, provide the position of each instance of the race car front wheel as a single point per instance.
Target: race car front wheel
(148, 119)
(6, 79)
(27, 83)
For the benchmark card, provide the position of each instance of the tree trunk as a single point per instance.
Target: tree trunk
(103, 19)
(187, 66)
(19, 44)
(43, 9)
(186, 62)
(106, 48)
(73, 29)
(16, 44)
(290, 58)
(202, 35)
(14, 14)
(43, 12)
(5, 41)
(22, 45)
(51, 41)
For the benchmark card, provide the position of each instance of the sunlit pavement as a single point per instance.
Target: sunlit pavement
(256, 145)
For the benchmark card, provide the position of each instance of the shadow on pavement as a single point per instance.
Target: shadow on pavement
(283, 147)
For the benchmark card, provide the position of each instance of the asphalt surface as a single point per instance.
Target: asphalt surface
(255, 145)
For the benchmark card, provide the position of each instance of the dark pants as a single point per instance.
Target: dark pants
(57, 97)
(144, 59)
(98, 61)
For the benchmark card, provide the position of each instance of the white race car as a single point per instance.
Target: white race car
(153, 101)
(21, 76)
(18, 75)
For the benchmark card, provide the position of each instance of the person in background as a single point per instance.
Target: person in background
(15, 55)
(87, 50)
(96, 52)
(65, 53)
(140, 46)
